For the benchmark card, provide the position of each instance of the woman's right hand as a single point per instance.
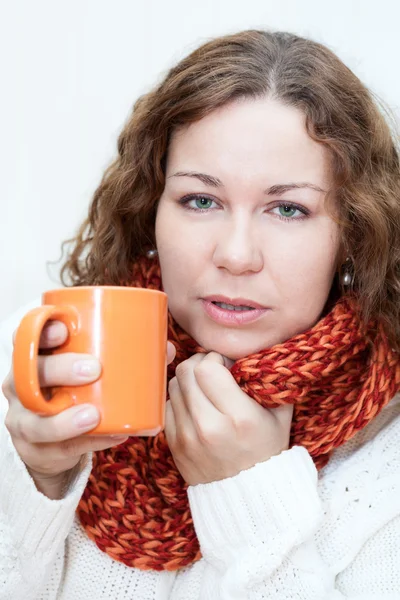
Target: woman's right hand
(51, 446)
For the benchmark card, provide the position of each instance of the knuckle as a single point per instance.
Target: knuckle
(69, 448)
(173, 386)
(185, 440)
(9, 422)
(182, 369)
(243, 426)
(206, 370)
(209, 435)
(201, 369)
(22, 430)
(212, 431)
(7, 386)
(53, 334)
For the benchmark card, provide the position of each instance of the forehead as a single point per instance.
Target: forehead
(250, 136)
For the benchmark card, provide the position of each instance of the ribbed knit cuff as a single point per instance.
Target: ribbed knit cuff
(38, 524)
(274, 502)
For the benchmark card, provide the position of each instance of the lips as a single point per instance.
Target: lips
(220, 309)
(234, 301)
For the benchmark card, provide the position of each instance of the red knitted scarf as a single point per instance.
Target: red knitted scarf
(339, 375)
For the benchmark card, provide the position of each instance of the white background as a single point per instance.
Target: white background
(71, 70)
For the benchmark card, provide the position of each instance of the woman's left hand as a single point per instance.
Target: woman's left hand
(215, 430)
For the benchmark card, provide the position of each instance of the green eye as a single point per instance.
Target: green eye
(202, 202)
(287, 211)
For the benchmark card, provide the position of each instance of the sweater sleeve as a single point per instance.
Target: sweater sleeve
(257, 533)
(33, 528)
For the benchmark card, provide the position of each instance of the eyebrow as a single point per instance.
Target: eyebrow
(274, 190)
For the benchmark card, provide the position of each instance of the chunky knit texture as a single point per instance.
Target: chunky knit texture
(337, 377)
(280, 529)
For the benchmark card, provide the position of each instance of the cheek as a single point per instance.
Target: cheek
(306, 275)
(182, 244)
(180, 255)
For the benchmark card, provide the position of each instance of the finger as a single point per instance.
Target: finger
(215, 357)
(84, 444)
(46, 457)
(219, 359)
(219, 386)
(171, 352)
(68, 369)
(181, 429)
(54, 334)
(196, 402)
(59, 369)
(170, 425)
(177, 404)
(70, 423)
(186, 380)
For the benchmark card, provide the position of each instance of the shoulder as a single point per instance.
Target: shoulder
(359, 488)
(374, 449)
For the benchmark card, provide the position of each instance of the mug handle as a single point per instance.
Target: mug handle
(25, 358)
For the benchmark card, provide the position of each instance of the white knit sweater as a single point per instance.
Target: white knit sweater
(278, 531)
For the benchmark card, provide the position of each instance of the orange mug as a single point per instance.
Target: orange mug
(126, 329)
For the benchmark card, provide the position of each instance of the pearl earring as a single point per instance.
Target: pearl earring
(348, 274)
(347, 278)
(151, 253)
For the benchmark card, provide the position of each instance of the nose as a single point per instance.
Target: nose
(237, 249)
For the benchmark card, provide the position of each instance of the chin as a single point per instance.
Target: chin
(234, 349)
(229, 353)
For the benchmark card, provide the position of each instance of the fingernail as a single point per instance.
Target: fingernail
(86, 417)
(87, 368)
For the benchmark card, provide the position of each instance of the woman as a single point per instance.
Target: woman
(264, 182)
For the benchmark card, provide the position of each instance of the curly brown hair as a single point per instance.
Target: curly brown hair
(340, 113)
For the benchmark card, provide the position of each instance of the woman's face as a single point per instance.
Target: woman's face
(246, 246)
